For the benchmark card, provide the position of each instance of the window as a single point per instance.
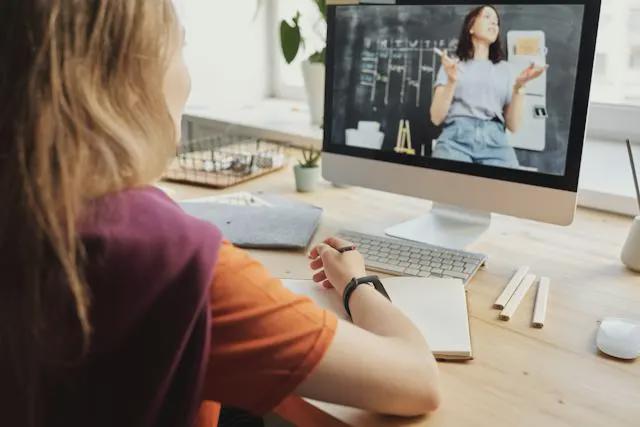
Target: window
(634, 19)
(226, 52)
(287, 78)
(634, 58)
(600, 69)
(619, 42)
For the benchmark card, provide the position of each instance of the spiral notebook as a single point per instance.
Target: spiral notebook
(438, 308)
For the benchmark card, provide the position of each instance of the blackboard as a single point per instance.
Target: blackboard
(385, 67)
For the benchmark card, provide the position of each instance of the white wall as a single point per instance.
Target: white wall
(226, 52)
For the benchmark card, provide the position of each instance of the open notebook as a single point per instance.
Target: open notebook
(438, 307)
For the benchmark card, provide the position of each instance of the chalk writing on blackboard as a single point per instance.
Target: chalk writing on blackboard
(410, 62)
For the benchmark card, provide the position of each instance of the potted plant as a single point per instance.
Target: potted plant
(313, 68)
(307, 171)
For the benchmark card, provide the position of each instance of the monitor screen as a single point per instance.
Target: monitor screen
(498, 91)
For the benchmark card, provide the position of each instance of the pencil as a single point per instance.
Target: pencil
(540, 309)
(511, 287)
(633, 171)
(517, 297)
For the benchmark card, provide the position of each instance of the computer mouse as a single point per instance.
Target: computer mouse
(619, 337)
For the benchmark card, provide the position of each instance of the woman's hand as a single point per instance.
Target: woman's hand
(530, 73)
(450, 67)
(336, 269)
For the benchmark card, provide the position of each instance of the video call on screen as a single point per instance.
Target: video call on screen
(511, 109)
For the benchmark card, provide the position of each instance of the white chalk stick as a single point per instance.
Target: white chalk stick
(540, 310)
(517, 297)
(511, 287)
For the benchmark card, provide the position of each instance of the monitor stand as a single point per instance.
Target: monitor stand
(446, 225)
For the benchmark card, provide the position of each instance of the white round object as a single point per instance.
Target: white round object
(619, 338)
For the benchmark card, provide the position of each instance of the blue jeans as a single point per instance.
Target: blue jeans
(471, 140)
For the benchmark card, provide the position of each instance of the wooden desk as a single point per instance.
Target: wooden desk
(520, 376)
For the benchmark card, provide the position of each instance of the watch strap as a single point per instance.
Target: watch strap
(353, 285)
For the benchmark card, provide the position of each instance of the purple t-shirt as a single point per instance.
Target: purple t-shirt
(149, 269)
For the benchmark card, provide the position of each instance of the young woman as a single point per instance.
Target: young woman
(477, 98)
(118, 309)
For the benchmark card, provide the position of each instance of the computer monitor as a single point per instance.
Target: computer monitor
(480, 108)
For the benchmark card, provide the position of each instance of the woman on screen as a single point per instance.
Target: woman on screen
(477, 97)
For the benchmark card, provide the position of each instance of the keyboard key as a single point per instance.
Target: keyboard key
(437, 271)
(415, 266)
(403, 264)
(436, 265)
(424, 273)
(412, 271)
(386, 267)
(393, 256)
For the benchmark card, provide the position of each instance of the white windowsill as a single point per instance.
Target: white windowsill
(274, 119)
(606, 182)
(605, 177)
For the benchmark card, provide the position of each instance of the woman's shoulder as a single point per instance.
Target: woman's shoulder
(144, 258)
(145, 225)
(138, 211)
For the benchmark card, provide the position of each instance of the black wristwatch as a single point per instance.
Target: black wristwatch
(354, 283)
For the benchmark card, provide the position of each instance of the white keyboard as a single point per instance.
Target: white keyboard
(406, 258)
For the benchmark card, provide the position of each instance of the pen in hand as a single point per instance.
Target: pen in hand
(347, 249)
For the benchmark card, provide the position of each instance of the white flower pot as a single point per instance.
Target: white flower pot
(314, 75)
(631, 250)
(307, 178)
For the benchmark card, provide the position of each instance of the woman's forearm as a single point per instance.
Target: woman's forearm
(442, 99)
(513, 114)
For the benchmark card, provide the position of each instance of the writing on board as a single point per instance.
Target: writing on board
(413, 62)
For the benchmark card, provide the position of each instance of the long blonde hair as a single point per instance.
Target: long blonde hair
(83, 114)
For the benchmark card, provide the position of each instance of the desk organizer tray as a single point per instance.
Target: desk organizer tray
(220, 161)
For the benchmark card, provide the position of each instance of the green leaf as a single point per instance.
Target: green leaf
(318, 57)
(290, 39)
(311, 157)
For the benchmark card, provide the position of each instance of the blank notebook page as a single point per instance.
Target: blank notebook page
(438, 307)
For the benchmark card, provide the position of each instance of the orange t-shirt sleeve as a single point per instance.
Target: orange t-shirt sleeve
(265, 340)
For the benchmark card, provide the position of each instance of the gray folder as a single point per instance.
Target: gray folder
(284, 225)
